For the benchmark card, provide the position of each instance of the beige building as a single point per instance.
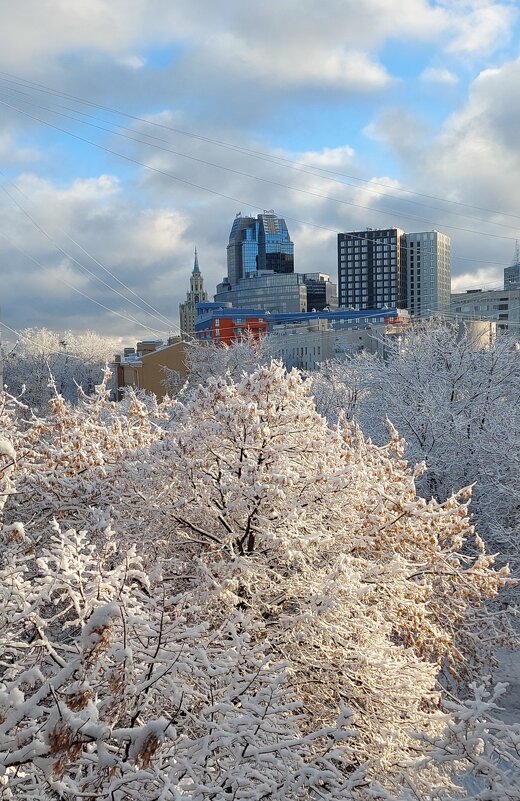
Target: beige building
(152, 366)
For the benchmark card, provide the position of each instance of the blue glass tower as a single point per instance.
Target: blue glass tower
(260, 243)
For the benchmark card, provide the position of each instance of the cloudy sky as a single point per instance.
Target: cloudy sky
(132, 131)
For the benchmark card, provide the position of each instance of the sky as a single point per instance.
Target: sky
(133, 131)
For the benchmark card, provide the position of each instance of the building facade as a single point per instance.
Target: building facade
(258, 244)
(196, 294)
(372, 269)
(322, 293)
(428, 260)
(222, 324)
(273, 292)
(153, 366)
(388, 267)
(501, 306)
(512, 273)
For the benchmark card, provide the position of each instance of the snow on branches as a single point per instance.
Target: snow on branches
(277, 630)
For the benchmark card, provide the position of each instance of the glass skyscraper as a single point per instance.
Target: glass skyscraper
(258, 244)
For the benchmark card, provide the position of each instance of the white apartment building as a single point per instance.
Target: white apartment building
(428, 268)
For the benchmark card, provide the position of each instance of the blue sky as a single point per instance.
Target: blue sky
(415, 94)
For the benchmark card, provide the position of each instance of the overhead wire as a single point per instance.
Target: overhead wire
(68, 255)
(278, 184)
(314, 173)
(156, 314)
(207, 189)
(39, 87)
(226, 196)
(84, 294)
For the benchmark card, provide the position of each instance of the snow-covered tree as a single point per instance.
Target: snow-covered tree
(285, 641)
(457, 405)
(210, 360)
(45, 362)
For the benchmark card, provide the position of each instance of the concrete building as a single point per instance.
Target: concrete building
(428, 260)
(388, 267)
(270, 291)
(372, 269)
(152, 365)
(196, 294)
(307, 344)
(498, 305)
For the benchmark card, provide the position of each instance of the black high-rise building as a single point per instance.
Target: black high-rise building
(372, 269)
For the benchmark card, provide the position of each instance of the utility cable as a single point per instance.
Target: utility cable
(224, 195)
(157, 314)
(84, 294)
(39, 87)
(135, 138)
(243, 174)
(73, 259)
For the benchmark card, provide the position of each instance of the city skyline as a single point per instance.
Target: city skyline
(132, 133)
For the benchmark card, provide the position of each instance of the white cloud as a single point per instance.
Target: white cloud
(480, 27)
(439, 75)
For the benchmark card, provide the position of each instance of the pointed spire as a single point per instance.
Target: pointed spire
(196, 263)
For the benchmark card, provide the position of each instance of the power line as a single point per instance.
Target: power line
(39, 87)
(278, 184)
(68, 256)
(80, 292)
(296, 166)
(158, 316)
(224, 195)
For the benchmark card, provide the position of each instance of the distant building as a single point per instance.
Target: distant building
(322, 293)
(270, 291)
(152, 366)
(428, 258)
(196, 294)
(222, 324)
(298, 333)
(512, 274)
(497, 305)
(307, 344)
(372, 269)
(379, 267)
(258, 244)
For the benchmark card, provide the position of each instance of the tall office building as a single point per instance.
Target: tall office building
(372, 269)
(196, 294)
(387, 267)
(258, 244)
(428, 273)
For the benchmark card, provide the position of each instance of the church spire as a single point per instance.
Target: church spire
(196, 263)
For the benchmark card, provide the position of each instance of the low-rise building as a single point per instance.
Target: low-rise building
(501, 306)
(222, 324)
(301, 339)
(307, 344)
(152, 365)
